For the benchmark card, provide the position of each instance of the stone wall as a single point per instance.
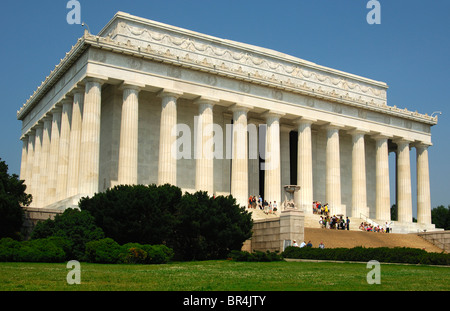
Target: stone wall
(270, 234)
(440, 239)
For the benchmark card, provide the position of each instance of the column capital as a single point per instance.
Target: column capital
(240, 108)
(402, 141)
(381, 136)
(304, 120)
(169, 93)
(77, 90)
(55, 110)
(125, 85)
(420, 145)
(333, 126)
(273, 114)
(358, 131)
(204, 100)
(95, 79)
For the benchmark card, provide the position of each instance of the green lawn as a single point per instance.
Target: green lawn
(223, 276)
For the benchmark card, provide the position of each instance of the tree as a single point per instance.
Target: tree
(139, 214)
(440, 216)
(12, 198)
(209, 228)
(195, 226)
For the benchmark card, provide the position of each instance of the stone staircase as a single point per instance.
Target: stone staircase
(349, 239)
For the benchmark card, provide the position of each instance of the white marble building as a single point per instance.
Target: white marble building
(104, 116)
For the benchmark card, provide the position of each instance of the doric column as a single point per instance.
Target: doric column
(64, 145)
(383, 198)
(239, 162)
(423, 185)
(204, 149)
(304, 197)
(129, 130)
(30, 161)
(54, 156)
(359, 196)
(73, 171)
(167, 165)
(285, 158)
(37, 163)
(253, 161)
(404, 182)
(333, 171)
(23, 162)
(43, 160)
(90, 138)
(272, 165)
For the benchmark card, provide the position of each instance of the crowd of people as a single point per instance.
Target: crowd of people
(321, 209)
(266, 207)
(334, 222)
(304, 244)
(364, 226)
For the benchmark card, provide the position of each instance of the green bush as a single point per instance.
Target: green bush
(256, 256)
(195, 226)
(109, 251)
(381, 254)
(104, 251)
(76, 227)
(41, 250)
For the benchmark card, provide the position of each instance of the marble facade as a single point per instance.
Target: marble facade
(105, 116)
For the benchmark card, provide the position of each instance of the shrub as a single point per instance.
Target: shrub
(77, 227)
(41, 250)
(109, 251)
(256, 256)
(103, 251)
(195, 226)
(381, 254)
(138, 214)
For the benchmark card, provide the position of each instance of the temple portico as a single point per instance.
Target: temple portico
(113, 112)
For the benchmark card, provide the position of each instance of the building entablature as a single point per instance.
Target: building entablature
(233, 72)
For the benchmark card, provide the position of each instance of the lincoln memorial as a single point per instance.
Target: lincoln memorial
(117, 106)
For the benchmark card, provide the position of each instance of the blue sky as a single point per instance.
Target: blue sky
(409, 50)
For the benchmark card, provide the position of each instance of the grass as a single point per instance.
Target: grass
(223, 276)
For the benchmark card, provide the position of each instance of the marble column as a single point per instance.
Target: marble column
(43, 162)
(129, 130)
(333, 171)
(253, 161)
(239, 163)
(404, 182)
(37, 163)
(304, 197)
(64, 145)
(204, 149)
(75, 142)
(23, 163)
(423, 185)
(54, 156)
(359, 195)
(285, 159)
(167, 164)
(272, 165)
(30, 161)
(382, 198)
(90, 138)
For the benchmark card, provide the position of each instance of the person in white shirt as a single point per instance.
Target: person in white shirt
(303, 244)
